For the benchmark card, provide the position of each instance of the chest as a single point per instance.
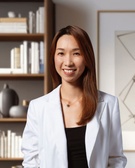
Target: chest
(72, 114)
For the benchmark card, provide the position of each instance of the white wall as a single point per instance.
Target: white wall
(83, 13)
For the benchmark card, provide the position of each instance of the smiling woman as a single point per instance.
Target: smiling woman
(67, 127)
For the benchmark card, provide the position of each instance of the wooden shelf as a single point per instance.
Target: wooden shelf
(22, 76)
(11, 159)
(21, 37)
(15, 120)
(21, 1)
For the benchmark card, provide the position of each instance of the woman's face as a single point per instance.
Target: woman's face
(69, 61)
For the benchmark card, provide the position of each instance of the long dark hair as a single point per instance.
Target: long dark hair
(89, 85)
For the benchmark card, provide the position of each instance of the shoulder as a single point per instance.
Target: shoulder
(109, 102)
(106, 97)
(51, 96)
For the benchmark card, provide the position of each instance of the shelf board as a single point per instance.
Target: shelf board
(22, 76)
(11, 159)
(4, 120)
(21, 1)
(21, 37)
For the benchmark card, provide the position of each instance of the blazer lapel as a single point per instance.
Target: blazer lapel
(58, 124)
(93, 128)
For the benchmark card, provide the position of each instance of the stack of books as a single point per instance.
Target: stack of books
(36, 21)
(10, 145)
(28, 58)
(13, 25)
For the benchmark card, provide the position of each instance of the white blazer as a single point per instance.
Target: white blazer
(44, 140)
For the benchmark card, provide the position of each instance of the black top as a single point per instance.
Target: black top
(76, 147)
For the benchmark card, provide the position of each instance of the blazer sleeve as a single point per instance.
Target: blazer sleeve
(116, 156)
(30, 145)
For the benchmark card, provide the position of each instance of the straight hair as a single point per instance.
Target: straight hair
(88, 78)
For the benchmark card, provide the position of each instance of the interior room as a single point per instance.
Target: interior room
(111, 27)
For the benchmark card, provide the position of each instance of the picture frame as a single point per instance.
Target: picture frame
(115, 32)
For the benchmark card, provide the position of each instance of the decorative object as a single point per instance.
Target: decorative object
(8, 98)
(19, 111)
(116, 65)
(11, 14)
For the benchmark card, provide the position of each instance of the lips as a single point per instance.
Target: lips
(69, 71)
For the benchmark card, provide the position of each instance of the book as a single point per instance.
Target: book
(9, 143)
(31, 22)
(7, 19)
(21, 57)
(41, 19)
(5, 147)
(5, 70)
(41, 57)
(37, 22)
(13, 24)
(15, 58)
(34, 57)
(2, 144)
(25, 57)
(13, 134)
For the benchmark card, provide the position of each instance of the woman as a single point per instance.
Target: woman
(74, 126)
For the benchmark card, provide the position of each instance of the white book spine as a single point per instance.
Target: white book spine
(19, 145)
(5, 147)
(25, 56)
(2, 136)
(41, 56)
(9, 143)
(32, 57)
(41, 19)
(12, 59)
(17, 57)
(37, 22)
(36, 64)
(31, 22)
(16, 147)
(13, 144)
(22, 57)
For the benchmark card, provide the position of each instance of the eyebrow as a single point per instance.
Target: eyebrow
(74, 49)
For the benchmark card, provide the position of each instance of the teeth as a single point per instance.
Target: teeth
(68, 70)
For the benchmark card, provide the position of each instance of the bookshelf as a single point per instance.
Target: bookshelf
(28, 86)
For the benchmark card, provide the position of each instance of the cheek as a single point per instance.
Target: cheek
(82, 65)
(57, 63)
(82, 68)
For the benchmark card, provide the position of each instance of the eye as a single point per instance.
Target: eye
(76, 54)
(60, 53)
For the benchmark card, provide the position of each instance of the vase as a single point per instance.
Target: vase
(19, 111)
(8, 98)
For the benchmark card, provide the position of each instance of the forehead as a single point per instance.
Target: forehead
(67, 40)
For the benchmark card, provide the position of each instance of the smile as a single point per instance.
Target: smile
(69, 71)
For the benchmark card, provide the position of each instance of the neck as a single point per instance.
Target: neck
(70, 92)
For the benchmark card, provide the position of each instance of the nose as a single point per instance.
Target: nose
(68, 60)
